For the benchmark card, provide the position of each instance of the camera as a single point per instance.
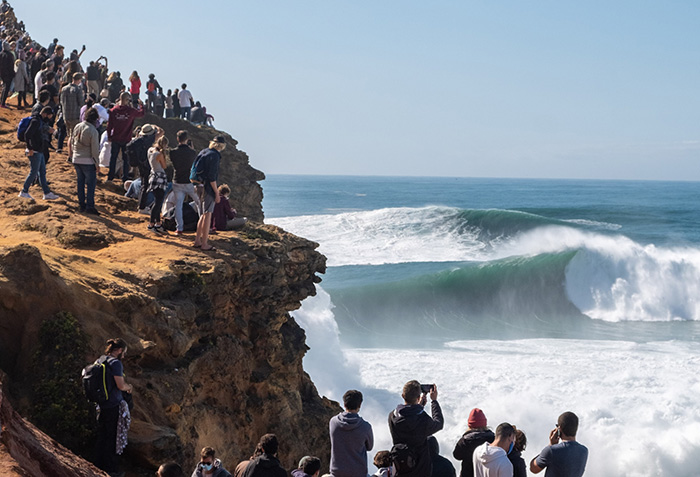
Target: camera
(426, 388)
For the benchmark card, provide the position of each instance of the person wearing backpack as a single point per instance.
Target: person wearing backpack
(119, 126)
(108, 411)
(37, 147)
(410, 427)
(205, 172)
(137, 150)
(152, 86)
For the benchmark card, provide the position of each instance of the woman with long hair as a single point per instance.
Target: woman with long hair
(157, 181)
(21, 83)
(135, 87)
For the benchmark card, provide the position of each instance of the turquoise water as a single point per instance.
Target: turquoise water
(460, 258)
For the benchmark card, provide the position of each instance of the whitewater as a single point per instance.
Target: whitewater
(523, 298)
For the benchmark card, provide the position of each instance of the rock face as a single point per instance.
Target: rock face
(214, 356)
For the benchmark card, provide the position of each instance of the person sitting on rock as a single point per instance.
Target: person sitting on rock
(267, 465)
(309, 466)
(224, 217)
(209, 465)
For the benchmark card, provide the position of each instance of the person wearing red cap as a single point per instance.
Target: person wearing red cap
(477, 434)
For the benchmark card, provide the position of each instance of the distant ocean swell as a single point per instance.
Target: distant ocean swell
(521, 272)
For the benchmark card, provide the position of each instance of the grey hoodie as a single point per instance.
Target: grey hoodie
(351, 438)
(491, 461)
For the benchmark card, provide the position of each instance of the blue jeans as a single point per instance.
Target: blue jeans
(185, 112)
(116, 147)
(181, 191)
(38, 168)
(87, 176)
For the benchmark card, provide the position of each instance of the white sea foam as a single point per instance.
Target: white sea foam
(396, 235)
(595, 223)
(637, 403)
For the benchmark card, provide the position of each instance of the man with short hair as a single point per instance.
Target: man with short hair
(93, 78)
(170, 469)
(562, 459)
(37, 145)
(208, 190)
(309, 466)
(351, 438)
(410, 427)
(182, 158)
(186, 101)
(491, 460)
(209, 465)
(267, 464)
(72, 99)
(119, 126)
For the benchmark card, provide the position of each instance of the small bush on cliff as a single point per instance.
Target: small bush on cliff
(60, 408)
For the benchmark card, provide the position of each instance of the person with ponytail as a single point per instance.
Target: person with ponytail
(109, 411)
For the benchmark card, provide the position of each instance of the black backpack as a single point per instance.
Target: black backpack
(96, 377)
(404, 458)
(136, 151)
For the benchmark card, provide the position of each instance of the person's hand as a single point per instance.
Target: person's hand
(554, 436)
(434, 393)
(423, 400)
(218, 198)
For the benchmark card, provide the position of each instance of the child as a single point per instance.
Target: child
(224, 217)
(382, 460)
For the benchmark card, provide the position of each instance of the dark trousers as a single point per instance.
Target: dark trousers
(6, 83)
(116, 147)
(106, 452)
(86, 175)
(144, 172)
(159, 195)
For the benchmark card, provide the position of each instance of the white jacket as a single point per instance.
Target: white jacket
(491, 461)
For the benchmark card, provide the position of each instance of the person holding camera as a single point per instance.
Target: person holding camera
(566, 458)
(410, 427)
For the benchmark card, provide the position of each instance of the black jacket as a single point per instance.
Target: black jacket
(464, 449)
(265, 466)
(519, 469)
(7, 66)
(411, 425)
(441, 466)
(33, 135)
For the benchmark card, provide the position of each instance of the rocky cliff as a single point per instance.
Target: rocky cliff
(215, 358)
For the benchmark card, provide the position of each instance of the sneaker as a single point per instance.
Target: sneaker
(146, 211)
(51, 196)
(179, 233)
(59, 151)
(92, 211)
(160, 230)
(25, 195)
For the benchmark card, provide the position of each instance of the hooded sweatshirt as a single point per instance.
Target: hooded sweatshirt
(464, 449)
(265, 466)
(351, 438)
(409, 424)
(491, 461)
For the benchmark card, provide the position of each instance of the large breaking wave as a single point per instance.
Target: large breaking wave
(517, 272)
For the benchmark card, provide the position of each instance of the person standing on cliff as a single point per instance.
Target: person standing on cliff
(182, 158)
(351, 438)
(121, 121)
(209, 465)
(410, 427)
(208, 191)
(108, 412)
(266, 465)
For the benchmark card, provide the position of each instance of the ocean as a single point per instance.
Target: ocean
(525, 298)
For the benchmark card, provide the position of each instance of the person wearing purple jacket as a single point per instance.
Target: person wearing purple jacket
(351, 438)
(309, 466)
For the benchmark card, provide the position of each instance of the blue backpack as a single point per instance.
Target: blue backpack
(22, 128)
(199, 168)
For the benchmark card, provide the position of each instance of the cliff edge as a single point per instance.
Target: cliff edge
(214, 356)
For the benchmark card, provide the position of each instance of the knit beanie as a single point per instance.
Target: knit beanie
(476, 418)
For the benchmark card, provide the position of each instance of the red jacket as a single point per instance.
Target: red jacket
(121, 122)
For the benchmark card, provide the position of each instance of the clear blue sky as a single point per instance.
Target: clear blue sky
(594, 89)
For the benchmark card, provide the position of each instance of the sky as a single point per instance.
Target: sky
(507, 88)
